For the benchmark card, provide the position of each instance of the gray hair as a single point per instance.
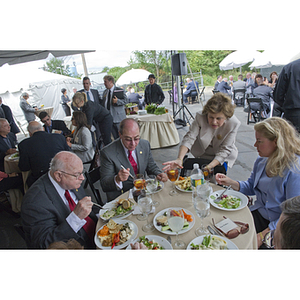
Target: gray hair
(24, 94)
(34, 126)
(290, 225)
(2, 120)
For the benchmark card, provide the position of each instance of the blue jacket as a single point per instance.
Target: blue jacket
(270, 191)
(223, 87)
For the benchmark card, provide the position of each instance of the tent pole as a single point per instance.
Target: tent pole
(84, 64)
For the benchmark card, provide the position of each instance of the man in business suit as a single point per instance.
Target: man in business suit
(190, 89)
(115, 105)
(56, 207)
(8, 142)
(53, 126)
(91, 94)
(37, 151)
(27, 109)
(224, 87)
(9, 117)
(131, 152)
(238, 85)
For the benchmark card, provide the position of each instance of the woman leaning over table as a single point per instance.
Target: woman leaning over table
(81, 143)
(211, 136)
(276, 173)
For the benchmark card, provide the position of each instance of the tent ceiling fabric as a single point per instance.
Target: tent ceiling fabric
(133, 76)
(18, 57)
(238, 59)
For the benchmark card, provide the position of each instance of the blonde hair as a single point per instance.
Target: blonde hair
(78, 98)
(287, 141)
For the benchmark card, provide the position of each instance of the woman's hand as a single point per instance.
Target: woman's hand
(225, 180)
(172, 164)
(69, 144)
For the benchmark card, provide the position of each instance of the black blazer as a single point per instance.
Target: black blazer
(3, 147)
(37, 151)
(44, 214)
(97, 97)
(59, 125)
(9, 117)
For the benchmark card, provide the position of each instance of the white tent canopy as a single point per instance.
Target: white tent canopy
(275, 57)
(133, 76)
(238, 59)
(43, 88)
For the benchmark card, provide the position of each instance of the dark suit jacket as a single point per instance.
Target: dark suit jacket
(59, 125)
(113, 156)
(97, 97)
(37, 151)
(3, 148)
(223, 87)
(9, 117)
(44, 216)
(154, 94)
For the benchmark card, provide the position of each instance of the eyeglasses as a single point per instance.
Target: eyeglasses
(233, 233)
(74, 175)
(132, 140)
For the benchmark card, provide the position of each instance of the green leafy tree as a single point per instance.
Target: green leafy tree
(56, 65)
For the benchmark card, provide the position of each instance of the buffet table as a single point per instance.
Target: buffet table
(184, 200)
(11, 166)
(159, 130)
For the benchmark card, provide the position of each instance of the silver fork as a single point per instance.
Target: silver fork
(169, 239)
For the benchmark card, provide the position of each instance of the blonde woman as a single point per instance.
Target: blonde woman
(276, 173)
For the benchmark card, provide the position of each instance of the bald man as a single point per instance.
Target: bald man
(37, 151)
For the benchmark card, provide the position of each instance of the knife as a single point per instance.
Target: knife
(211, 230)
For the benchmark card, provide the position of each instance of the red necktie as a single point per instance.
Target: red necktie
(90, 226)
(132, 161)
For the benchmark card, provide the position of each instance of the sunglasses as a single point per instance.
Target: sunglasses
(233, 233)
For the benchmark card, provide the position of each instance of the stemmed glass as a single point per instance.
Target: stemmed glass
(145, 203)
(151, 186)
(202, 206)
(173, 176)
(176, 222)
(139, 190)
(207, 172)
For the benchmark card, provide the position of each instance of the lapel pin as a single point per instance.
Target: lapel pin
(219, 137)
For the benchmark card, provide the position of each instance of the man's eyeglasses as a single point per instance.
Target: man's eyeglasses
(74, 175)
(132, 140)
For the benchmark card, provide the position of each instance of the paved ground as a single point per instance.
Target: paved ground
(9, 238)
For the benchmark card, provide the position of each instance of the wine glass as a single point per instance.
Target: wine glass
(139, 182)
(201, 205)
(173, 176)
(207, 172)
(151, 186)
(176, 222)
(145, 203)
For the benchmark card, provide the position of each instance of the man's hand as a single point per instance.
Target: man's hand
(162, 177)
(114, 100)
(11, 151)
(122, 175)
(58, 131)
(83, 207)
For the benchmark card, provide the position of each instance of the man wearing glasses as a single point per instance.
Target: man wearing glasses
(56, 208)
(127, 155)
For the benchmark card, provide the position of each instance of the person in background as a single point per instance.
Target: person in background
(74, 90)
(56, 207)
(287, 232)
(91, 94)
(134, 97)
(219, 79)
(27, 109)
(129, 151)
(190, 89)
(211, 136)
(223, 87)
(81, 143)
(64, 102)
(230, 80)
(237, 85)
(153, 92)
(8, 142)
(95, 114)
(275, 176)
(53, 126)
(37, 151)
(115, 105)
(9, 117)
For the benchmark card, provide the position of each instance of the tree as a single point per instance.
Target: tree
(56, 65)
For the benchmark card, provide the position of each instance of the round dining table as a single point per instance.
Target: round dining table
(184, 200)
(48, 110)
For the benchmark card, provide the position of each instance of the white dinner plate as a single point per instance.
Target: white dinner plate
(14, 156)
(133, 236)
(109, 206)
(169, 232)
(244, 199)
(198, 240)
(181, 190)
(157, 239)
(157, 190)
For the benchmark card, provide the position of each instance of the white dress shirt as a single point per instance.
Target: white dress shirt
(90, 94)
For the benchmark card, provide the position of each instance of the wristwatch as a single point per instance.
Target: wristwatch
(268, 239)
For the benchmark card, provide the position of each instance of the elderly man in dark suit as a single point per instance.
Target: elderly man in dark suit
(132, 153)
(91, 94)
(224, 87)
(53, 126)
(37, 151)
(8, 142)
(9, 117)
(191, 90)
(56, 207)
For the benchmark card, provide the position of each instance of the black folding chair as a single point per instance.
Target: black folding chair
(256, 109)
(202, 95)
(239, 100)
(91, 178)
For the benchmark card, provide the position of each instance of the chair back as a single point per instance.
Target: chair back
(240, 100)
(92, 177)
(255, 110)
